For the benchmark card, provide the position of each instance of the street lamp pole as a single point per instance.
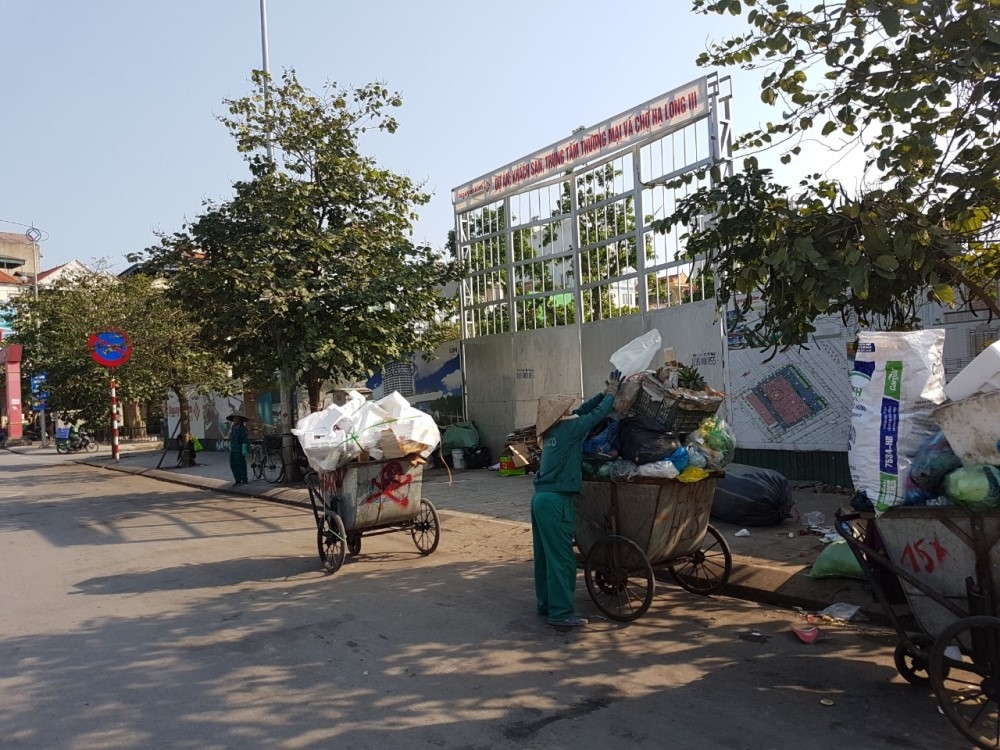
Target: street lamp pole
(285, 386)
(34, 235)
(265, 66)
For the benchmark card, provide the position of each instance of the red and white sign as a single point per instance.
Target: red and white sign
(655, 118)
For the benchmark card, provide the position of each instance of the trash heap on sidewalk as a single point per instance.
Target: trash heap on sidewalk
(522, 453)
(916, 441)
(361, 430)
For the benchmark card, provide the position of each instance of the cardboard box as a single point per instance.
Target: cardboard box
(508, 469)
(519, 454)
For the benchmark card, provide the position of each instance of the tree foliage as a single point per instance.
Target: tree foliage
(308, 267)
(913, 85)
(54, 332)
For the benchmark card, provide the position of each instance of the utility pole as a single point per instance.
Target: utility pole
(34, 235)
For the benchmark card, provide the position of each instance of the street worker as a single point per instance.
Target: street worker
(187, 450)
(239, 445)
(559, 476)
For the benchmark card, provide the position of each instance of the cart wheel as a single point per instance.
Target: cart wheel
(62, 447)
(332, 540)
(426, 528)
(354, 543)
(619, 578)
(965, 673)
(706, 570)
(914, 667)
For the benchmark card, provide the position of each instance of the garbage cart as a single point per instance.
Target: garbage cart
(626, 529)
(369, 499)
(945, 559)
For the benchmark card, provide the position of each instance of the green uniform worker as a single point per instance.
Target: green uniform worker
(558, 479)
(239, 444)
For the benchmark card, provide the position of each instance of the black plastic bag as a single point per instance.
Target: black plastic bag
(478, 458)
(475, 458)
(643, 441)
(749, 496)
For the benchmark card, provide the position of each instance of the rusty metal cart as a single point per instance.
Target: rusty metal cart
(944, 559)
(626, 530)
(369, 499)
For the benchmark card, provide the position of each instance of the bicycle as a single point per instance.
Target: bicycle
(257, 455)
(273, 464)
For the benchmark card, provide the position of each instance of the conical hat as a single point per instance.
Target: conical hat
(551, 409)
(237, 415)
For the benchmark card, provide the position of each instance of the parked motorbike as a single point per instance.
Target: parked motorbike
(80, 443)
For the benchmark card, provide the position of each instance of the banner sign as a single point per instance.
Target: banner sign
(656, 118)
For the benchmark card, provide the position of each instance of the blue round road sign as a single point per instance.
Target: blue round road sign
(110, 348)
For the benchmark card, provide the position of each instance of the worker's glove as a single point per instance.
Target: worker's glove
(613, 383)
(244, 450)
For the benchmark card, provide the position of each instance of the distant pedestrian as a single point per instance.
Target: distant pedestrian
(188, 449)
(239, 445)
(559, 477)
(3, 437)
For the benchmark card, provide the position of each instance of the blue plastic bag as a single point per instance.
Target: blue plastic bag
(603, 442)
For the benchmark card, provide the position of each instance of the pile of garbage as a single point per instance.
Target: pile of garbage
(363, 430)
(916, 440)
(659, 428)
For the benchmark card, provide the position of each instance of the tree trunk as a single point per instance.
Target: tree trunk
(314, 387)
(185, 408)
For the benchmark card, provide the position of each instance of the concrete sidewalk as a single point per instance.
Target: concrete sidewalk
(770, 565)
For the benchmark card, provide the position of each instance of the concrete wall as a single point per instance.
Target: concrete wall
(506, 374)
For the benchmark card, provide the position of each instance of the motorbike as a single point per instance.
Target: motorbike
(80, 443)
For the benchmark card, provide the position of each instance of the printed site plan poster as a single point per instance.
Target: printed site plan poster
(799, 399)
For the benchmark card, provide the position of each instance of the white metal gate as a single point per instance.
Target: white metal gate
(563, 264)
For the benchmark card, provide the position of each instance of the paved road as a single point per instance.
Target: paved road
(140, 614)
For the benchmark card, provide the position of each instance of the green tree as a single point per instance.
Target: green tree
(308, 267)
(911, 84)
(166, 354)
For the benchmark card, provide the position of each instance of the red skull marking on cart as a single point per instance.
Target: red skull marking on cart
(391, 480)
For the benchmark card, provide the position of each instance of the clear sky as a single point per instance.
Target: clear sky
(109, 133)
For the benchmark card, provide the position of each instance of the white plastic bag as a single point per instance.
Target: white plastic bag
(897, 380)
(414, 430)
(664, 469)
(636, 355)
(325, 436)
(390, 428)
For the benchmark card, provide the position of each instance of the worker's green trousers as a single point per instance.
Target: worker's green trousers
(238, 464)
(552, 529)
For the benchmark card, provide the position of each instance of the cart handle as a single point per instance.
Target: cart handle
(312, 484)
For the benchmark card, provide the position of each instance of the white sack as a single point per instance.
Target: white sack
(897, 380)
